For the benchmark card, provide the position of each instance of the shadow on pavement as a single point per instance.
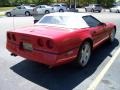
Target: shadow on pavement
(65, 77)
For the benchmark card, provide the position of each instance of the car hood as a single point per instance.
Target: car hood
(45, 31)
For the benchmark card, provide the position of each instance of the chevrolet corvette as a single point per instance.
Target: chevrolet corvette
(59, 38)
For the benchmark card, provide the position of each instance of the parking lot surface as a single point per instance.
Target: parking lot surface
(17, 73)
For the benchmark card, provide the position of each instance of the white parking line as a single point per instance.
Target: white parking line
(97, 80)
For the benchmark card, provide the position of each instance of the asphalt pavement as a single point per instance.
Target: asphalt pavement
(17, 73)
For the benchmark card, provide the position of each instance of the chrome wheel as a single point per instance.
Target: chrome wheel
(112, 36)
(84, 54)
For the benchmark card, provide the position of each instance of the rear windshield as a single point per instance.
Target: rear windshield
(68, 21)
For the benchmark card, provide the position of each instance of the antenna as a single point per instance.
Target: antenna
(14, 21)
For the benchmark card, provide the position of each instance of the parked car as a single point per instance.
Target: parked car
(43, 9)
(61, 7)
(93, 8)
(56, 40)
(20, 10)
(115, 9)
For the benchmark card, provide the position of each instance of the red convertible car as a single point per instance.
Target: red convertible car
(58, 38)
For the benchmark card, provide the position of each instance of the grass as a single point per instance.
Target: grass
(2, 14)
(2, 9)
(5, 8)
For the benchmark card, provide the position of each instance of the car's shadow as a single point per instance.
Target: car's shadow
(65, 77)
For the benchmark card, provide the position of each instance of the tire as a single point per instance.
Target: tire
(27, 13)
(84, 54)
(117, 11)
(61, 10)
(86, 10)
(47, 11)
(8, 14)
(110, 10)
(99, 11)
(92, 10)
(112, 36)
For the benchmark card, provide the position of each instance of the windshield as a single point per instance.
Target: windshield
(68, 21)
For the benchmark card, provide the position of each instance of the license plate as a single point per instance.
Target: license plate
(27, 46)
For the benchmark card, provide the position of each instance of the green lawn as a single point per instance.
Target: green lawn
(2, 14)
(5, 8)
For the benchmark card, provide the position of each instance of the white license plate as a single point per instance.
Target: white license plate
(27, 46)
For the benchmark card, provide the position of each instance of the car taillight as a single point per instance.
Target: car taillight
(49, 44)
(8, 36)
(13, 37)
(40, 42)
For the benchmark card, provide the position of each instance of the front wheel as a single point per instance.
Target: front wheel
(117, 11)
(112, 36)
(92, 10)
(27, 13)
(61, 10)
(84, 54)
(85, 10)
(8, 14)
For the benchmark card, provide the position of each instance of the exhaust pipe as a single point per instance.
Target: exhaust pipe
(13, 54)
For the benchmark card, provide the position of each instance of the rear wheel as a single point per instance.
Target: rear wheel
(84, 54)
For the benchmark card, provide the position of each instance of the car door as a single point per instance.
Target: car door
(40, 9)
(23, 10)
(97, 29)
(17, 10)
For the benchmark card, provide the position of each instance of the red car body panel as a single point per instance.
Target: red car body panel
(52, 45)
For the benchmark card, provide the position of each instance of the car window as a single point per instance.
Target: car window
(18, 7)
(91, 21)
(22, 7)
(98, 5)
(42, 6)
(56, 5)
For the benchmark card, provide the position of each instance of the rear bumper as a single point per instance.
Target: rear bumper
(44, 57)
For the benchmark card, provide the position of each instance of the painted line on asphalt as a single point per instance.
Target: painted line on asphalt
(97, 80)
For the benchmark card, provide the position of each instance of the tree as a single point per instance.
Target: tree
(106, 3)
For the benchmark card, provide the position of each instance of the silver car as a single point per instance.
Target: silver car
(43, 9)
(20, 10)
(115, 9)
(60, 7)
(93, 8)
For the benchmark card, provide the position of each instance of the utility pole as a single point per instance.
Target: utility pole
(69, 3)
(75, 4)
